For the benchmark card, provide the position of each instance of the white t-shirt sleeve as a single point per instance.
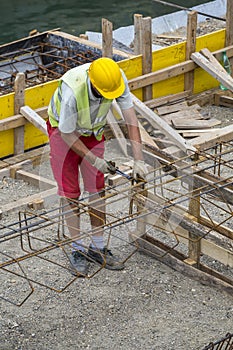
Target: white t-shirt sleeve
(125, 100)
(68, 112)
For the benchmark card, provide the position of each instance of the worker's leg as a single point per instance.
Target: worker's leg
(64, 163)
(97, 212)
(94, 184)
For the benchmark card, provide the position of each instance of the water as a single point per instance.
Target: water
(19, 17)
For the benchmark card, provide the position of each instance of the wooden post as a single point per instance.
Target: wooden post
(190, 48)
(146, 55)
(106, 38)
(137, 34)
(194, 242)
(229, 23)
(19, 87)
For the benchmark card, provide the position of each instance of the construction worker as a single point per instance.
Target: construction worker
(77, 116)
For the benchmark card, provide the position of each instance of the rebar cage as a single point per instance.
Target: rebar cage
(184, 212)
(225, 343)
(42, 58)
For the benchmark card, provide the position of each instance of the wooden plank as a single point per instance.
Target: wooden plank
(117, 114)
(172, 108)
(34, 118)
(145, 137)
(216, 252)
(106, 38)
(206, 53)
(148, 246)
(157, 122)
(225, 101)
(146, 37)
(18, 120)
(190, 48)
(2, 164)
(117, 132)
(28, 156)
(196, 133)
(229, 23)
(178, 107)
(194, 124)
(160, 75)
(188, 114)
(171, 71)
(222, 135)
(157, 102)
(92, 44)
(12, 122)
(189, 231)
(213, 69)
(49, 195)
(137, 34)
(196, 247)
(19, 87)
(194, 244)
(35, 180)
(223, 230)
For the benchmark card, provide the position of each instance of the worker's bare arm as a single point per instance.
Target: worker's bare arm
(134, 132)
(74, 142)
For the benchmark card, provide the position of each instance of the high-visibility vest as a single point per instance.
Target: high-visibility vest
(76, 79)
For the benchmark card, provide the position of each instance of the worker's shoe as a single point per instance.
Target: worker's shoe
(105, 258)
(79, 263)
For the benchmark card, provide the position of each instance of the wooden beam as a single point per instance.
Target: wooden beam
(213, 279)
(160, 75)
(19, 87)
(185, 226)
(146, 54)
(34, 118)
(93, 45)
(178, 107)
(137, 34)
(145, 137)
(117, 132)
(49, 195)
(18, 120)
(225, 101)
(107, 49)
(210, 57)
(229, 23)
(212, 66)
(157, 102)
(172, 71)
(194, 244)
(210, 140)
(185, 123)
(35, 180)
(190, 48)
(157, 122)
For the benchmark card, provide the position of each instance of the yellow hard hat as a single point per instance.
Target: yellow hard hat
(106, 77)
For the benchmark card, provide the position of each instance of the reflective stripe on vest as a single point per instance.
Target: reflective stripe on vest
(76, 79)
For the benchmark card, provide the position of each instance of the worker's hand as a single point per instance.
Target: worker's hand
(104, 166)
(140, 170)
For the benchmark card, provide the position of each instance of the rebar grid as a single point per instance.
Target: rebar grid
(40, 63)
(35, 248)
(225, 343)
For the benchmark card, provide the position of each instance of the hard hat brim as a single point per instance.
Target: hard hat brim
(113, 94)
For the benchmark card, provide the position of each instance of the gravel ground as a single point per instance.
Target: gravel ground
(146, 306)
